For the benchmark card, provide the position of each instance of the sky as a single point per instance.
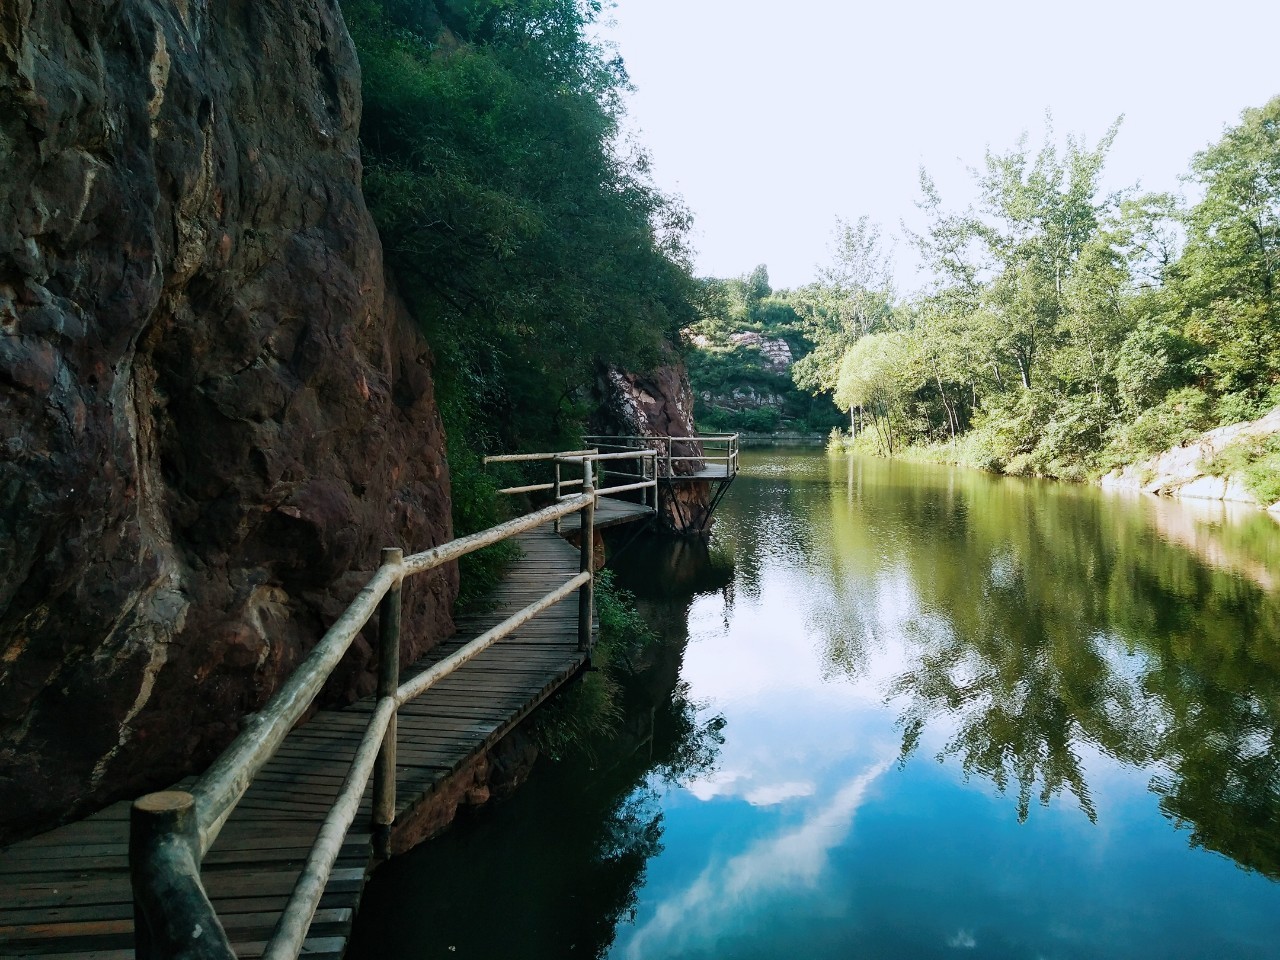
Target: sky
(773, 119)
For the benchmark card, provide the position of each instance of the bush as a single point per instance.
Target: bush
(1239, 407)
(1181, 416)
(1256, 461)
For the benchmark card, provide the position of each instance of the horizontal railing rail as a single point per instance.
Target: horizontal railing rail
(171, 831)
(646, 479)
(713, 450)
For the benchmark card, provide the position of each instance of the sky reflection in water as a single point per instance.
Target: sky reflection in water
(955, 705)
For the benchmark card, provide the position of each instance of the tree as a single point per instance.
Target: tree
(852, 298)
(523, 228)
(878, 374)
(1228, 277)
(1015, 254)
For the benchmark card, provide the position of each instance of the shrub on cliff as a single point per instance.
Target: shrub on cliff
(589, 713)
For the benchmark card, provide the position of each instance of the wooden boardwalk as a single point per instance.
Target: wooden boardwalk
(713, 471)
(66, 894)
(609, 513)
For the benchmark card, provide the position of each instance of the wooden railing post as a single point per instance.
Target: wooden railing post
(172, 916)
(586, 558)
(555, 491)
(384, 778)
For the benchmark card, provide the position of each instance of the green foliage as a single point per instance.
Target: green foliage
(523, 230)
(1180, 416)
(762, 420)
(736, 388)
(588, 713)
(1069, 330)
(852, 298)
(477, 506)
(1256, 461)
(524, 233)
(1226, 282)
(1262, 477)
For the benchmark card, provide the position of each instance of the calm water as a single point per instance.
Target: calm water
(927, 713)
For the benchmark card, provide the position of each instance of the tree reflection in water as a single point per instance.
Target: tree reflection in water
(1048, 622)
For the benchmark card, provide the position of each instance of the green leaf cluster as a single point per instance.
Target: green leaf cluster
(520, 225)
(1069, 329)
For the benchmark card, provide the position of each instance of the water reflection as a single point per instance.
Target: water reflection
(1050, 622)
(563, 864)
(964, 713)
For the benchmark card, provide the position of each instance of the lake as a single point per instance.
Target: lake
(899, 711)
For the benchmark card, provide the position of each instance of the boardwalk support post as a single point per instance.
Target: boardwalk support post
(555, 492)
(384, 778)
(172, 916)
(587, 558)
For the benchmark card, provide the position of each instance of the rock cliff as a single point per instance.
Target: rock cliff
(658, 404)
(212, 412)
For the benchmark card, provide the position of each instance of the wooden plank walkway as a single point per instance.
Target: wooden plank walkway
(609, 513)
(715, 471)
(65, 894)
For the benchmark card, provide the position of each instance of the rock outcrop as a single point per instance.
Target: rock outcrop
(659, 404)
(775, 353)
(212, 413)
(1185, 471)
(745, 397)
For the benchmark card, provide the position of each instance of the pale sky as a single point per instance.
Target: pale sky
(772, 119)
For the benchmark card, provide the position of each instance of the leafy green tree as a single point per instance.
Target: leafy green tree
(852, 298)
(525, 232)
(1228, 277)
(1037, 216)
(878, 375)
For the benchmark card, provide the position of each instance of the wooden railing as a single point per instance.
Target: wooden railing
(644, 479)
(717, 449)
(171, 831)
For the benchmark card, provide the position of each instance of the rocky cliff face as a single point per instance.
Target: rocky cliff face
(658, 404)
(775, 353)
(1185, 471)
(212, 414)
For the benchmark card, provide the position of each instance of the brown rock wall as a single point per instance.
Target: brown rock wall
(212, 413)
(659, 404)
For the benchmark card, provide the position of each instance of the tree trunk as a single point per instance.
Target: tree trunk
(946, 404)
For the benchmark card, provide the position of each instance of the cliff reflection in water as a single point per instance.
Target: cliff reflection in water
(1044, 623)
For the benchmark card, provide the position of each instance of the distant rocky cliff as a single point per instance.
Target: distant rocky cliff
(658, 404)
(212, 412)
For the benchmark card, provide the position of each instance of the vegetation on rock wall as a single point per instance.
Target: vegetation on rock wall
(521, 227)
(741, 378)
